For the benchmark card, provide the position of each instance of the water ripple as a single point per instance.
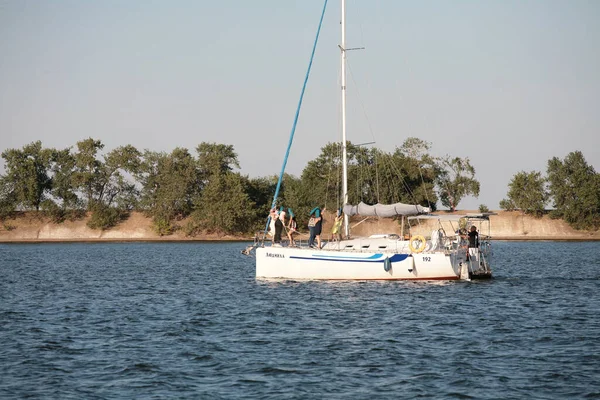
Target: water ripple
(185, 320)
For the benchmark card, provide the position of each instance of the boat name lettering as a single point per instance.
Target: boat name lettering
(275, 255)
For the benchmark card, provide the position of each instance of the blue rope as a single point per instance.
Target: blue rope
(287, 153)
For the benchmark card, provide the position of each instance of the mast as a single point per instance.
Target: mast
(344, 154)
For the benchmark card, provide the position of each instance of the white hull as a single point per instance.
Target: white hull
(312, 264)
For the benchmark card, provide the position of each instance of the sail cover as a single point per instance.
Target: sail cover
(384, 210)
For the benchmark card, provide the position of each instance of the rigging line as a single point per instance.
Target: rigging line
(362, 104)
(392, 196)
(388, 166)
(368, 124)
(391, 172)
(338, 143)
(363, 174)
(405, 184)
(418, 156)
(335, 164)
(330, 161)
(374, 180)
(381, 165)
(398, 171)
(410, 69)
(447, 163)
(393, 166)
(287, 152)
(444, 184)
(397, 194)
(423, 181)
(338, 172)
(377, 174)
(408, 188)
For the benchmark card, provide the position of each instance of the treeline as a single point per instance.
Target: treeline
(68, 183)
(203, 189)
(571, 186)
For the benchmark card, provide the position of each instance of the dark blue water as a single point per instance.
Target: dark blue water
(175, 320)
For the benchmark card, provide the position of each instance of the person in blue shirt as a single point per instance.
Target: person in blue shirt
(315, 225)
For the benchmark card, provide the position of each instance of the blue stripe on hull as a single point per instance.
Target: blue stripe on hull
(328, 257)
(399, 257)
(375, 258)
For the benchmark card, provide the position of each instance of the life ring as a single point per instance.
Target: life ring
(422, 243)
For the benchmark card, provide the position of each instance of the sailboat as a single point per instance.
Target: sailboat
(436, 256)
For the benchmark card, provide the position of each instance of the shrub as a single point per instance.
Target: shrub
(162, 226)
(7, 209)
(104, 217)
(555, 214)
(8, 227)
(53, 211)
(192, 228)
(507, 205)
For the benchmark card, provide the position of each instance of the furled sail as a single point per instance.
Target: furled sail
(385, 210)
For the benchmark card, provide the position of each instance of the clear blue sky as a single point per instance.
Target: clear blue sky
(507, 83)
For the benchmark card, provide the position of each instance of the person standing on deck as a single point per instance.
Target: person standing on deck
(272, 216)
(336, 231)
(282, 215)
(275, 227)
(315, 225)
(319, 227)
(474, 243)
(292, 227)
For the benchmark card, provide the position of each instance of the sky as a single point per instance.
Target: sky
(507, 83)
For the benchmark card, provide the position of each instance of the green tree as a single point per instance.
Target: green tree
(116, 187)
(224, 205)
(293, 196)
(415, 148)
(108, 191)
(408, 175)
(417, 170)
(526, 191)
(575, 188)
(27, 182)
(88, 170)
(8, 201)
(260, 192)
(63, 201)
(170, 182)
(456, 180)
(63, 168)
(216, 159)
(508, 205)
(103, 181)
(321, 178)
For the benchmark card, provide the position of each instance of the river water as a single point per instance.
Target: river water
(189, 320)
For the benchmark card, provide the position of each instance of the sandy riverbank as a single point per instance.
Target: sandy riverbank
(504, 226)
